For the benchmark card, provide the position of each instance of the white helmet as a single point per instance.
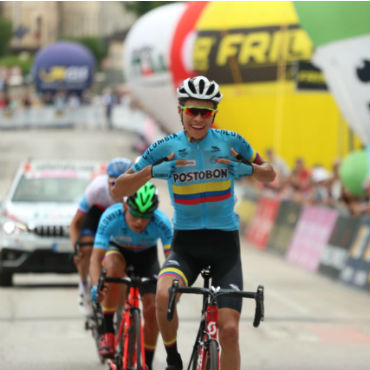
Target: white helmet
(199, 88)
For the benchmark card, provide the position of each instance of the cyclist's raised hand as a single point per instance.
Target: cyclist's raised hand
(239, 167)
(165, 167)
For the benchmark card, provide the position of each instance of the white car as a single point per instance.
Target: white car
(36, 213)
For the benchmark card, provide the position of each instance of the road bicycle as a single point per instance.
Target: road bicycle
(129, 338)
(94, 321)
(205, 354)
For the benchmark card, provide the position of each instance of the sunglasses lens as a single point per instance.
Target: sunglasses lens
(207, 113)
(195, 111)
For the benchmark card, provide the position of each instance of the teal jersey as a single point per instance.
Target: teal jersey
(114, 229)
(202, 192)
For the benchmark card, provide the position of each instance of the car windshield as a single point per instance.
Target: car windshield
(48, 189)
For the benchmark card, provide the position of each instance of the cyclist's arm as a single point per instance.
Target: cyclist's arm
(96, 261)
(129, 182)
(263, 171)
(75, 226)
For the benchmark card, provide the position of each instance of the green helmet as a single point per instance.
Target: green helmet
(144, 202)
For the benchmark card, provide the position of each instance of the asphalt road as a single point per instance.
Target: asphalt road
(311, 321)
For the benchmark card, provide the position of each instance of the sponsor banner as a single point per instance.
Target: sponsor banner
(357, 267)
(335, 253)
(310, 236)
(254, 52)
(283, 228)
(308, 77)
(64, 65)
(259, 229)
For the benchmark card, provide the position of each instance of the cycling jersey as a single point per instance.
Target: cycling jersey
(202, 192)
(114, 230)
(96, 194)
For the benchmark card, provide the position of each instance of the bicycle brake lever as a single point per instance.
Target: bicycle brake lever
(101, 280)
(171, 299)
(260, 309)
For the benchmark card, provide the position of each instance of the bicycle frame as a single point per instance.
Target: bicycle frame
(208, 329)
(130, 325)
(131, 303)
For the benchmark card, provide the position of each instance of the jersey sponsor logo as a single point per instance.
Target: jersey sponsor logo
(157, 144)
(123, 238)
(190, 163)
(173, 263)
(215, 149)
(217, 173)
(234, 286)
(183, 152)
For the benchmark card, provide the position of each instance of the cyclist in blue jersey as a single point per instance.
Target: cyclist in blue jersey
(127, 235)
(97, 197)
(200, 164)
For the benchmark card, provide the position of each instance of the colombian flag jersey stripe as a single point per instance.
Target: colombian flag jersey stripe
(201, 193)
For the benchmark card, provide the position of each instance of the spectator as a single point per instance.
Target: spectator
(319, 186)
(334, 183)
(299, 181)
(26, 100)
(4, 100)
(108, 100)
(281, 168)
(73, 101)
(60, 102)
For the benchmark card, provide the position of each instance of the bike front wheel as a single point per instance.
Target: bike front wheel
(205, 358)
(212, 356)
(135, 344)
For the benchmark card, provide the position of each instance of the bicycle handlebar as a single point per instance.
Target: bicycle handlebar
(133, 280)
(78, 245)
(258, 296)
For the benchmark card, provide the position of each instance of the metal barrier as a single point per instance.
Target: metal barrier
(89, 116)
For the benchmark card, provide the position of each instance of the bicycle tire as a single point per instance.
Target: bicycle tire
(97, 328)
(135, 348)
(194, 359)
(212, 356)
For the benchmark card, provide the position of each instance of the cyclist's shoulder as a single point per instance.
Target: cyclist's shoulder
(160, 215)
(97, 184)
(161, 219)
(169, 140)
(113, 213)
(226, 135)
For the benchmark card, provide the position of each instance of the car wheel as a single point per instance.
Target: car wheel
(6, 278)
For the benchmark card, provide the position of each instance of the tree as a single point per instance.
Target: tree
(142, 7)
(6, 34)
(94, 44)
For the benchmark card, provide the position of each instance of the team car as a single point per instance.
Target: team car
(36, 213)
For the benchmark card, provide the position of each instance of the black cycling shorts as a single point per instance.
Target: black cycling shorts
(192, 250)
(145, 264)
(91, 221)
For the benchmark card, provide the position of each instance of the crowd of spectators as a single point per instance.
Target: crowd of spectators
(315, 186)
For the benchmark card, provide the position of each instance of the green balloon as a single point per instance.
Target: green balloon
(354, 170)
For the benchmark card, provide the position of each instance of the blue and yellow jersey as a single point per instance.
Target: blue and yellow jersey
(114, 229)
(202, 192)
